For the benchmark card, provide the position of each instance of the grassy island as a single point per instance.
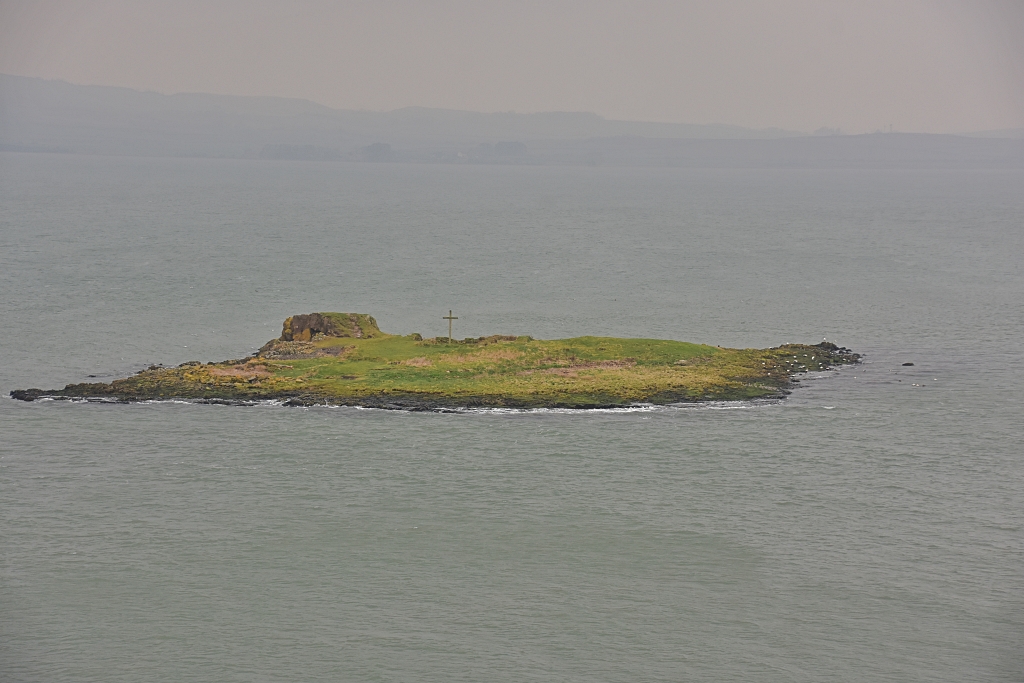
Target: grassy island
(344, 359)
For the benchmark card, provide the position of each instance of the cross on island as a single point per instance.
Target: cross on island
(449, 318)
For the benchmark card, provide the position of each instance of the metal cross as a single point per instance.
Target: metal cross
(449, 318)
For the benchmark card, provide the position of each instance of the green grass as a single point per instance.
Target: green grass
(407, 371)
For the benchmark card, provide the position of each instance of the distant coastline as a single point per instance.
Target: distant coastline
(41, 116)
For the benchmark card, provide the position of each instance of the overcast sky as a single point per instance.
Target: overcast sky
(918, 65)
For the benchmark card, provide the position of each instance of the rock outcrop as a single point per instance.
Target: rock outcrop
(307, 326)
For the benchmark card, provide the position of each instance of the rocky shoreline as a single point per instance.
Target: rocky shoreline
(343, 359)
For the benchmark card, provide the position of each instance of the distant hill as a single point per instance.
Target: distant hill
(38, 115)
(100, 119)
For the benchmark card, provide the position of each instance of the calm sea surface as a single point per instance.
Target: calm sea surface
(868, 528)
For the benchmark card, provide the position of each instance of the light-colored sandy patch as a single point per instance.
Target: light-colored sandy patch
(243, 371)
(587, 364)
(486, 355)
(421, 362)
(617, 363)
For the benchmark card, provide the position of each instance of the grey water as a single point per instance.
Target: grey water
(869, 527)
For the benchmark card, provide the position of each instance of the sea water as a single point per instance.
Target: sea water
(869, 527)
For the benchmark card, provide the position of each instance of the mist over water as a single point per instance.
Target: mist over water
(868, 527)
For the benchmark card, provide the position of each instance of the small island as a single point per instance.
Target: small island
(343, 359)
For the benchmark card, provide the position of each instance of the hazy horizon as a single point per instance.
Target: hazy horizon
(712, 124)
(406, 107)
(931, 67)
